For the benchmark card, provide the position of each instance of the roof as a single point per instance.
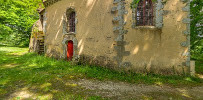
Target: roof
(40, 10)
(49, 2)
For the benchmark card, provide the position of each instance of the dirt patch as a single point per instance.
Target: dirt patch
(122, 90)
(200, 76)
(110, 90)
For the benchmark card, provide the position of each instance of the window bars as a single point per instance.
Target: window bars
(144, 16)
(71, 23)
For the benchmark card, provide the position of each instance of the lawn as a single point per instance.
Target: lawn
(47, 77)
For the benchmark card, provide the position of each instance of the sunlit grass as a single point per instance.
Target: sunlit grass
(13, 50)
(49, 75)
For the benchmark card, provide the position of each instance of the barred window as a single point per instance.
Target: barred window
(144, 15)
(71, 22)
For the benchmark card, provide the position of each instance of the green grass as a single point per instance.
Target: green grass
(199, 67)
(47, 76)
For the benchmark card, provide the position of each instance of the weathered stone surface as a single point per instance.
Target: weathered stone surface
(117, 28)
(159, 14)
(145, 50)
(166, 12)
(114, 9)
(50, 2)
(192, 68)
(186, 8)
(186, 20)
(97, 61)
(185, 1)
(119, 38)
(186, 32)
(185, 44)
(117, 1)
(117, 18)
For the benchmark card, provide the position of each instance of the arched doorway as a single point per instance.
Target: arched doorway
(69, 50)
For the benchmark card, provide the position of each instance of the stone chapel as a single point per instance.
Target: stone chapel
(153, 36)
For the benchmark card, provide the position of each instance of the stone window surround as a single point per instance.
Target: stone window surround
(69, 36)
(65, 21)
(75, 45)
(155, 26)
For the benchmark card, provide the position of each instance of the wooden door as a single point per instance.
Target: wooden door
(69, 50)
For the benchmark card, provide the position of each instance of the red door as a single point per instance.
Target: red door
(70, 50)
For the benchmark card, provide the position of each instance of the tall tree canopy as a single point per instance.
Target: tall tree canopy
(196, 9)
(16, 20)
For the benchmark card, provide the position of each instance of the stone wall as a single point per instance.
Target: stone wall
(158, 49)
(105, 35)
(93, 28)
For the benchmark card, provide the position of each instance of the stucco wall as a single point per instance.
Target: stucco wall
(156, 50)
(93, 29)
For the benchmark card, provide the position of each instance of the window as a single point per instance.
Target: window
(71, 22)
(144, 15)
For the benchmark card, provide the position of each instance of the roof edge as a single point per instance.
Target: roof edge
(48, 3)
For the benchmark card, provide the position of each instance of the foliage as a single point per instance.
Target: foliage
(31, 66)
(196, 29)
(45, 75)
(16, 20)
(199, 67)
(135, 3)
(17, 71)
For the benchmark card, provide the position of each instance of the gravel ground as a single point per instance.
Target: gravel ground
(122, 90)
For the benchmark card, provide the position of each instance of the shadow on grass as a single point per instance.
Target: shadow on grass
(38, 77)
(199, 67)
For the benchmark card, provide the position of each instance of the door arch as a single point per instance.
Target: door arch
(73, 41)
(70, 50)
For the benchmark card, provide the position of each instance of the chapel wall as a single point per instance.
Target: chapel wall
(93, 30)
(143, 50)
(158, 50)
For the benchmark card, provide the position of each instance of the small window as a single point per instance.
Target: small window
(144, 15)
(71, 22)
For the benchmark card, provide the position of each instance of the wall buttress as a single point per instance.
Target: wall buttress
(186, 32)
(120, 31)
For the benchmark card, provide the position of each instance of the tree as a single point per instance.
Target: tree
(196, 26)
(16, 20)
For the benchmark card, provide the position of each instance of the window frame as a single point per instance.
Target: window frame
(71, 24)
(157, 13)
(66, 29)
(146, 18)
